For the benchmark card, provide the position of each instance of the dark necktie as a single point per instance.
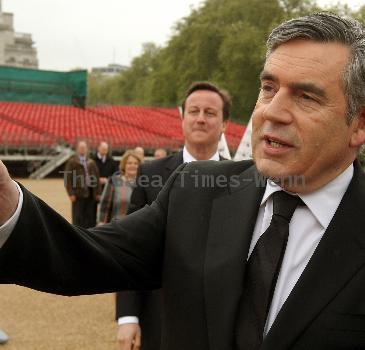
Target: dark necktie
(262, 271)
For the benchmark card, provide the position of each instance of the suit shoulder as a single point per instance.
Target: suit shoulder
(158, 165)
(72, 160)
(225, 167)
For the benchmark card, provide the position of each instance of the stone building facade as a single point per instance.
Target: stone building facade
(16, 49)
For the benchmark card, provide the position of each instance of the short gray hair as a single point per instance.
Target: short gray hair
(328, 27)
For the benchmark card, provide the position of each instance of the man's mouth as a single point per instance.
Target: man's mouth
(275, 144)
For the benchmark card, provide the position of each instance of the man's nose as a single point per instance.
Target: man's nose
(201, 117)
(280, 108)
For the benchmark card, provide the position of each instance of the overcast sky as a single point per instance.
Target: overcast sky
(89, 33)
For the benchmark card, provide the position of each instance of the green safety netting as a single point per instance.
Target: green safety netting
(40, 86)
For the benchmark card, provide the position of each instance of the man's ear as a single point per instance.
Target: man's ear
(224, 126)
(181, 113)
(358, 133)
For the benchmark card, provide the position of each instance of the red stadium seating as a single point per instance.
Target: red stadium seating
(122, 126)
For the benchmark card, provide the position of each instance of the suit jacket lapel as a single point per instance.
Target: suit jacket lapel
(172, 163)
(230, 231)
(337, 258)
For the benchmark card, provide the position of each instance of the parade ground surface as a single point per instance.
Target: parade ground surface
(40, 321)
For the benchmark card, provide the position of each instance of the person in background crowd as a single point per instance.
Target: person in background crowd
(116, 196)
(140, 152)
(160, 153)
(3, 337)
(105, 163)
(83, 187)
(206, 109)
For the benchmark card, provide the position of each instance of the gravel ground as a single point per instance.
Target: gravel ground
(41, 321)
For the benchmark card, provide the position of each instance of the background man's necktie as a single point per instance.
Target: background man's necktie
(262, 271)
(87, 176)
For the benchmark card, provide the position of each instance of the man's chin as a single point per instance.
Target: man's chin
(281, 175)
(272, 169)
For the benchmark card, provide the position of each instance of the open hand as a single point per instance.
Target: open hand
(9, 195)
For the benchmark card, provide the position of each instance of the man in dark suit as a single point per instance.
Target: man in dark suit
(205, 111)
(82, 185)
(106, 164)
(197, 239)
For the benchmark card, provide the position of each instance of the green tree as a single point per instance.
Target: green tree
(221, 41)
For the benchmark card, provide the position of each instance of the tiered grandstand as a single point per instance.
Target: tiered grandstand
(40, 125)
(38, 132)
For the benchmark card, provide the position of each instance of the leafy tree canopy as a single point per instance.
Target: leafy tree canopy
(222, 41)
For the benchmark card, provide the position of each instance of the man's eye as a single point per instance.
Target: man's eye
(267, 90)
(306, 98)
(193, 111)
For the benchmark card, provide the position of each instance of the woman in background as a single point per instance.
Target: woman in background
(116, 196)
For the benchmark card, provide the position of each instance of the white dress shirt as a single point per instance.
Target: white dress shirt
(187, 157)
(102, 158)
(306, 229)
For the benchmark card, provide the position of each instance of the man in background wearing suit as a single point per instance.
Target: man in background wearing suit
(106, 164)
(304, 195)
(205, 111)
(159, 153)
(82, 186)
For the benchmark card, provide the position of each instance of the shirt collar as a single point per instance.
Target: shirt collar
(187, 157)
(102, 158)
(324, 202)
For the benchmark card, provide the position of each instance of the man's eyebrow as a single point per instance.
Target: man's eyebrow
(264, 75)
(307, 87)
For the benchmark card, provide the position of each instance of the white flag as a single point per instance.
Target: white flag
(244, 150)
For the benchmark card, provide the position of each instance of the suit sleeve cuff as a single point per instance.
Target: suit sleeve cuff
(7, 228)
(127, 319)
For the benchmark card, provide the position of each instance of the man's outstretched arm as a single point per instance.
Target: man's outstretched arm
(45, 252)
